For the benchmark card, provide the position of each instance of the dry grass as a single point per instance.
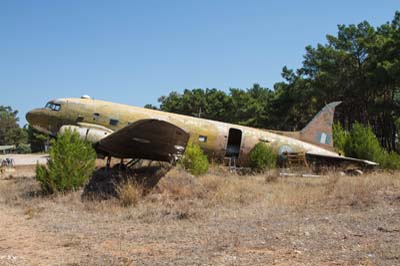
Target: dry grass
(362, 191)
(215, 219)
(333, 190)
(234, 190)
(222, 189)
(210, 190)
(129, 193)
(274, 191)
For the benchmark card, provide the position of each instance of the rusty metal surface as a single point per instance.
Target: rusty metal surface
(212, 136)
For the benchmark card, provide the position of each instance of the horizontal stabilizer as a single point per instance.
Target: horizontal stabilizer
(339, 160)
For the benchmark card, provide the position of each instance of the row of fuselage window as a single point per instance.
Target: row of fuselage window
(57, 107)
(114, 122)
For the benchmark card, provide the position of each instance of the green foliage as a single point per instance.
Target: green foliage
(10, 132)
(47, 184)
(24, 148)
(358, 65)
(362, 143)
(194, 160)
(389, 160)
(150, 106)
(72, 161)
(339, 137)
(247, 107)
(36, 139)
(263, 157)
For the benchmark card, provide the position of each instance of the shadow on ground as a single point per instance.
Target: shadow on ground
(104, 182)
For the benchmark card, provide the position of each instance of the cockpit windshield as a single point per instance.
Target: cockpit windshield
(53, 106)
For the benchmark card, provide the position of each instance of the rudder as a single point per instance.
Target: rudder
(319, 130)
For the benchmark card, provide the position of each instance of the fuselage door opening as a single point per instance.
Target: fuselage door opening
(234, 143)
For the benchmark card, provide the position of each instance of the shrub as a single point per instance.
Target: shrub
(42, 175)
(339, 137)
(362, 143)
(389, 160)
(72, 161)
(262, 157)
(194, 160)
(24, 148)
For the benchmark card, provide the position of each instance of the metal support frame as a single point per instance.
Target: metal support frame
(108, 162)
(133, 162)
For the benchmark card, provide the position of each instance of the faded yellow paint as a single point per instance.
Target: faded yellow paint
(97, 113)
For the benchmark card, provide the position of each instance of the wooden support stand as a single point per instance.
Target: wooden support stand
(295, 159)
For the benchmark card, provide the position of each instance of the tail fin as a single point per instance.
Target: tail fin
(319, 130)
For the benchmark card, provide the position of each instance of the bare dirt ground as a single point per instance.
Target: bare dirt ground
(217, 219)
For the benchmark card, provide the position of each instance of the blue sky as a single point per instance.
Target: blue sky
(136, 51)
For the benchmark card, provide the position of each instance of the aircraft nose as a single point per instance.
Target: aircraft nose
(40, 120)
(32, 117)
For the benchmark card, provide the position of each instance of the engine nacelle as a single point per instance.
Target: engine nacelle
(91, 133)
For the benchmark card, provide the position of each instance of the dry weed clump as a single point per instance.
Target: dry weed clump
(361, 191)
(332, 190)
(210, 190)
(179, 185)
(129, 193)
(182, 196)
(233, 190)
(295, 192)
(32, 211)
(212, 183)
(19, 191)
(271, 176)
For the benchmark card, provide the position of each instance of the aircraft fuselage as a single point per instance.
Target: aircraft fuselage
(96, 119)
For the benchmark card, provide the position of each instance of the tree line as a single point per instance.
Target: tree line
(359, 65)
(26, 139)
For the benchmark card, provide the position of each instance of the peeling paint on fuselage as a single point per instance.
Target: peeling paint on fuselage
(76, 111)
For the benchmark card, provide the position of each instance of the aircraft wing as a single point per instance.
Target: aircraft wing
(146, 139)
(339, 160)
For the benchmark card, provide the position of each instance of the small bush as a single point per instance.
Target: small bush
(339, 138)
(262, 157)
(389, 160)
(362, 143)
(24, 148)
(72, 161)
(194, 160)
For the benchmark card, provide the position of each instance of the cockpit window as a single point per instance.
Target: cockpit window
(53, 106)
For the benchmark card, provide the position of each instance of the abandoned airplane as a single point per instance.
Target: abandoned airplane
(123, 131)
